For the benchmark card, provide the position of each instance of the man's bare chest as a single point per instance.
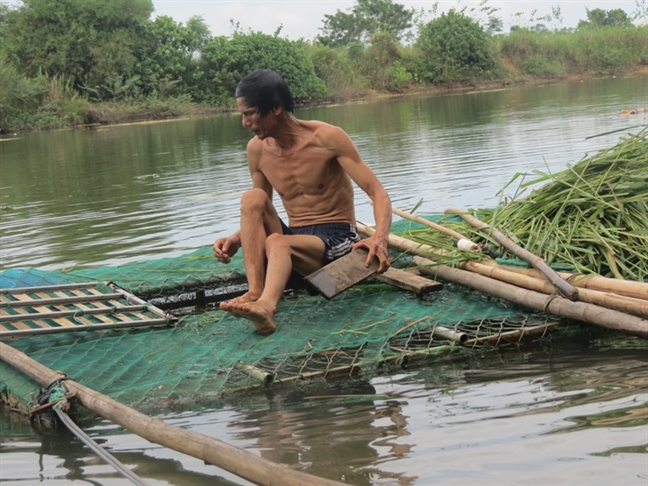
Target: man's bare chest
(301, 170)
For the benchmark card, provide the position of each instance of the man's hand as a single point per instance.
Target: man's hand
(226, 248)
(377, 248)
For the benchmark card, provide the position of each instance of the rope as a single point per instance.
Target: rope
(548, 302)
(55, 394)
(83, 437)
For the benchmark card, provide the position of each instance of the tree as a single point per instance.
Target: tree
(495, 24)
(384, 61)
(86, 41)
(4, 9)
(225, 62)
(367, 17)
(18, 96)
(597, 18)
(171, 57)
(455, 49)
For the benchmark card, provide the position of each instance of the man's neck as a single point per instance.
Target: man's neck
(286, 131)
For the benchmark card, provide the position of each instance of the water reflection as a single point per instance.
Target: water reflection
(61, 459)
(334, 432)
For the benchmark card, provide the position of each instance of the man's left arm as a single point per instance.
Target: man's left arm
(351, 161)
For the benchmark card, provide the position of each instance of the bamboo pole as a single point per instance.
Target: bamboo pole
(637, 307)
(628, 288)
(213, 451)
(564, 287)
(552, 304)
(430, 224)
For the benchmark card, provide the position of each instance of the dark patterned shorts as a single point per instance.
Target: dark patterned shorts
(337, 237)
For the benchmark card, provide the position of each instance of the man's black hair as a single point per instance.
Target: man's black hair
(265, 90)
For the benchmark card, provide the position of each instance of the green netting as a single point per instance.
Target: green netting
(33, 277)
(195, 360)
(198, 269)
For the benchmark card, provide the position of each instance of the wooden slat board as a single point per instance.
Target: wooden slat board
(409, 281)
(74, 307)
(345, 272)
(341, 274)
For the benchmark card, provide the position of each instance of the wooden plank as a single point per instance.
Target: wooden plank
(60, 294)
(56, 314)
(46, 288)
(20, 325)
(95, 305)
(36, 322)
(83, 321)
(36, 297)
(83, 292)
(18, 311)
(99, 326)
(46, 300)
(41, 323)
(137, 315)
(343, 273)
(23, 317)
(62, 321)
(36, 311)
(93, 310)
(78, 319)
(93, 291)
(23, 297)
(409, 281)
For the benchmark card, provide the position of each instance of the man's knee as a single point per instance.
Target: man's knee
(254, 200)
(276, 241)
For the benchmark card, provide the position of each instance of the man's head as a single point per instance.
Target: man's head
(265, 90)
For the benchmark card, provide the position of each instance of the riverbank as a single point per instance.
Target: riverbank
(418, 90)
(84, 114)
(116, 116)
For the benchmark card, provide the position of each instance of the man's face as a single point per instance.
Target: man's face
(252, 120)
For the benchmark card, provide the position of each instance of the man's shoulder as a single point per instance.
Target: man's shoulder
(318, 125)
(323, 131)
(254, 151)
(254, 144)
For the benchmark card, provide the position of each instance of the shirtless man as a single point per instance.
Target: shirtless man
(310, 164)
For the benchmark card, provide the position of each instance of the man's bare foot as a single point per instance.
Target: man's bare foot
(261, 314)
(241, 299)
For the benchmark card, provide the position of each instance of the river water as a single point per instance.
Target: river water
(561, 412)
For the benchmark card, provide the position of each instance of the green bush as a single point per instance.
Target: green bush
(335, 68)
(607, 51)
(225, 62)
(383, 64)
(20, 97)
(455, 48)
(546, 54)
(540, 66)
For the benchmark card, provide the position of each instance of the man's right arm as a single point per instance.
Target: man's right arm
(225, 248)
